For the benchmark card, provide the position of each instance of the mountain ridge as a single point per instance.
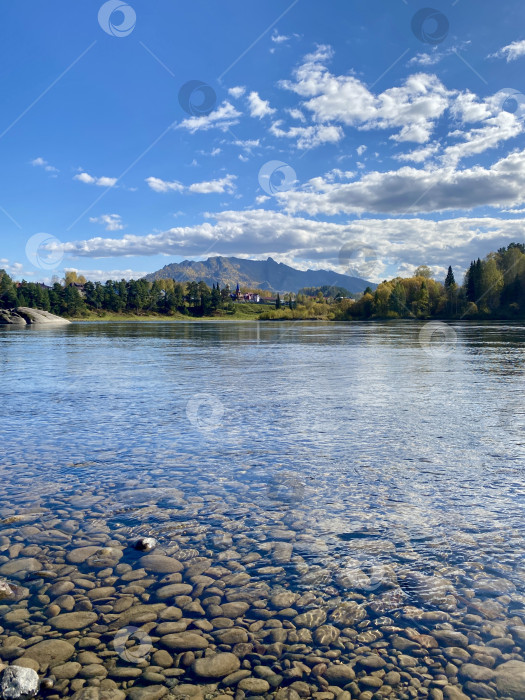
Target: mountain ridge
(261, 274)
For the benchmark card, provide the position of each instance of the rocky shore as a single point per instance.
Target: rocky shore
(24, 316)
(241, 601)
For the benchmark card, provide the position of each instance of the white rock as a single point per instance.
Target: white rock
(19, 683)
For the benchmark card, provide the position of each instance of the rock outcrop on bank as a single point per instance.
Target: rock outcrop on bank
(24, 316)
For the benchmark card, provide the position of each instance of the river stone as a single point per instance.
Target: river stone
(138, 614)
(236, 635)
(160, 564)
(283, 600)
(50, 652)
(145, 544)
(80, 554)
(185, 641)
(174, 589)
(68, 670)
(254, 686)
(19, 683)
(60, 588)
(339, 674)
(216, 666)
(186, 691)
(73, 620)
(510, 679)
(310, 619)
(326, 635)
(371, 662)
(233, 610)
(451, 638)
(17, 566)
(5, 590)
(473, 672)
(347, 614)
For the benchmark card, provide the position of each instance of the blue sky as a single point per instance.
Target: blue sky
(368, 137)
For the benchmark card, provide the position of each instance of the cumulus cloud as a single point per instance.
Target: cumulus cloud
(303, 241)
(41, 163)
(104, 275)
(511, 52)
(413, 190)
(13, 269)
(221, 185)
(112, 222)
(158, 185)
(411, 109)
(221, 118)
(259, 108)
(237, 92)
(88, 179)
(308, 136)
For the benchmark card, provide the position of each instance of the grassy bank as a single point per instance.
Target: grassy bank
(243, 312)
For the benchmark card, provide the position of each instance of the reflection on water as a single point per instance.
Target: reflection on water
(376, 485)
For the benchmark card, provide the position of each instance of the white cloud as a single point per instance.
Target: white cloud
(224, 184)
(221, 118)
(247, 145)
(13, 269)
(237, 92)
(99, 181)
(296, 114)
(220, 186)
(425, 59)
(308, 136)
(360, 150)
(412, 190)
(420, 155)
(258, 107)
(104, 275)
(490, 134)
(279, 38)
(112, 222)
(158, 185)
(307, 242)
(41, 163)
(511, 52)
(411, 109)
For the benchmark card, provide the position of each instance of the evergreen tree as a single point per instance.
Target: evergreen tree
(450, 280)
(8, 293)
(278, 301)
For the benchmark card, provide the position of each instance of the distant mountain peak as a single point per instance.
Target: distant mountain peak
(262, 274)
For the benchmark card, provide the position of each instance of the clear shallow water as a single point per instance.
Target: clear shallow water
(384, 469)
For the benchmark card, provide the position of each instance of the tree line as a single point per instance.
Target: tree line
(76, 297)
(492, 288)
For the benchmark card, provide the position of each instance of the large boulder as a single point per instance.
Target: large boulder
(23, 315)
(510, 679)
(19, 683)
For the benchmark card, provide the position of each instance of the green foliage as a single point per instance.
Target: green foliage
(493, 288)
(326, 290)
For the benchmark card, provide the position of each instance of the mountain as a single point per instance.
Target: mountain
(260, 274)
